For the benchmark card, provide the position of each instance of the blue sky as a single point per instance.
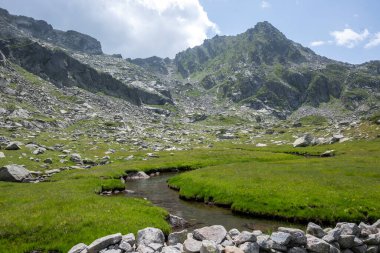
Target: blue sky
(307, 21)
(345, 30)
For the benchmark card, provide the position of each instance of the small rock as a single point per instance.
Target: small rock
(150, 235)
(76, 158)
(346, 241)
(171, 249)
(177, 222)
(280, 240)
(192, 246)
(177, 237)
(39, 151)
(314, 229)
(244, 237)
(48, 161)
(317, 245)
(232, 249)
(2, 155)
(298, 237)
(328, 153)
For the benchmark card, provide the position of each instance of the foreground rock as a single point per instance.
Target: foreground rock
(14, 173)
(345, 237)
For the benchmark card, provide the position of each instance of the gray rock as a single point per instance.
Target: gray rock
(171, 249)
(233, 233)
(376, 224)
(191, 245)
(76, 158)
(112, 251)
(250, 247)
(137, 175)
(177, 237)
(315, 230)
(214, 233)
(297, 250)
(144, 249)
(48, 161)
(14, 173)
(50, 172)
(177, 222)
(209, 247)
(129, 238)
(334, 249)
(78, 248)
(150, 235)
(317, 245)
(227, 242)
(104, 242)
(2, 155)
(346, 241)
(232, 249)
(298, 237)
(280, 240)
(372, 249)
(264, 242)
(303, 141)
(156, 246)
(124, 245)
(12, 146)
(360, 249)
(348, 228)
(244, 237)
(373, 239)
(39, 151)
(366, 230)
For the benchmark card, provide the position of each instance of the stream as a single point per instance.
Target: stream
(198, 214)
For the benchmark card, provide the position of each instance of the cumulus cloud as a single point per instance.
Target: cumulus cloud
(134, 28)
(348, 37)
(374, 42)
(265, 4)
(317, 43)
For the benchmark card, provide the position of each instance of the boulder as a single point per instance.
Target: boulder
(373, 239)
(192, 246)
(346, 241)
(13, 146)
(177, 237)
(244, 237)
(39, 151)
(316, 230)
(232, 249)
(297, 236)
(264, 242)
(303, 141)
(233, 233)
(171, 249)
(14, 173)
(215, 233)
(125, 246)
(317, 245)
(150, 235)
(348, 228)
(280, 240)
(129, 238)
(209, 247)
(250, 247)
(103, 243)
(78, 248)
(176, 221)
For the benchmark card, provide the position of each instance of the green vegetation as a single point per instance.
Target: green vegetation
(341, 188)
(313, 120)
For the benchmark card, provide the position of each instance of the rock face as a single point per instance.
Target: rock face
(14, 173)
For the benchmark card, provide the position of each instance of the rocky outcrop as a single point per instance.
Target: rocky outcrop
(345, 237)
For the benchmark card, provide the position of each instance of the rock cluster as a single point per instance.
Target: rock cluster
(345, 237)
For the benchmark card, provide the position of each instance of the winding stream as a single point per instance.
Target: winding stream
(197, 214)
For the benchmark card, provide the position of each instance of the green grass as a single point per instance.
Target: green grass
(342, 188)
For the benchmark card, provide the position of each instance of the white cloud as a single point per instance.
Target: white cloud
(317, 43)
(265, 4)
(374, 42)
(348, 37)
(134, 28)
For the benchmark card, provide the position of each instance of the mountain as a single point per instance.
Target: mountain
(262, 69)
(74, 59)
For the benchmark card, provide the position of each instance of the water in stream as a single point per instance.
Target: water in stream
(197, 214)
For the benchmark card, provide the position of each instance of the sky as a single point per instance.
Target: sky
(344, 30)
